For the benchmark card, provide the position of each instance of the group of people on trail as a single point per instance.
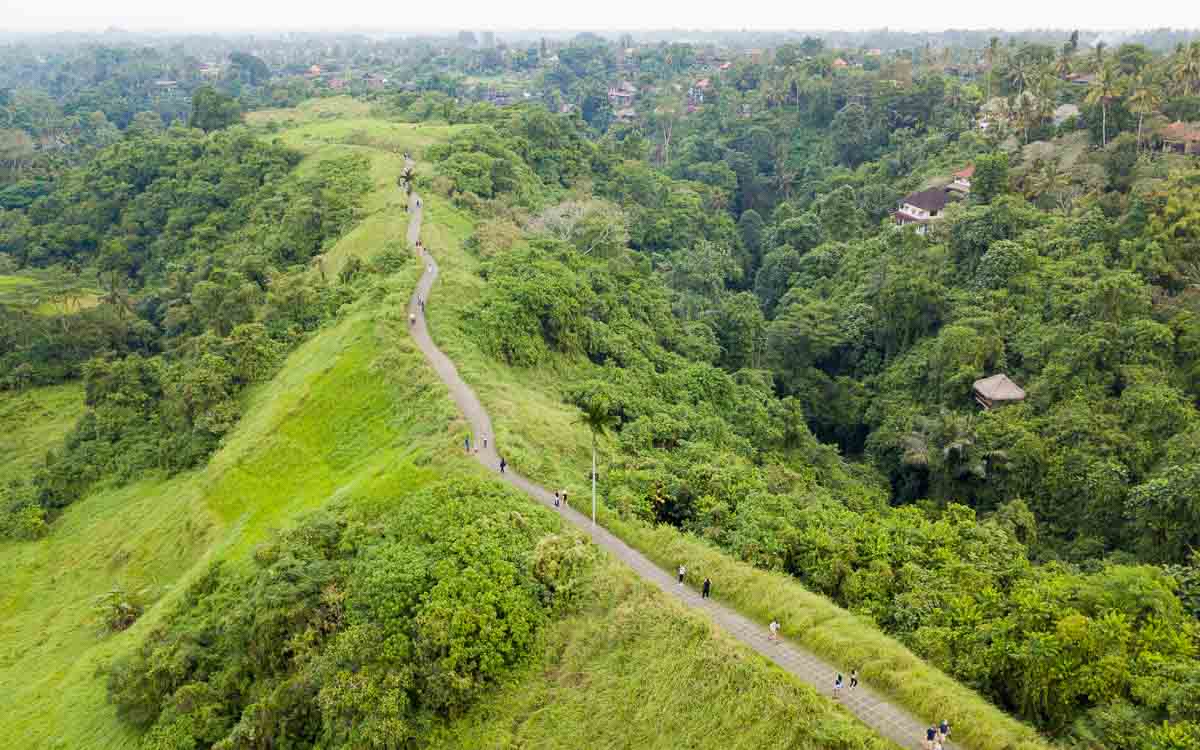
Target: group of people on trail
(705, 587)
(936, 737)
(839, 683)
(560, 496)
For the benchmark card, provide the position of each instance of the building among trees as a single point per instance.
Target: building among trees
(1181, 137)
(996, 390)
(922, 207)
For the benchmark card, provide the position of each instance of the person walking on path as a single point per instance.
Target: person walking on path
(467, 443)
(412, 319)
(682, 573)
(774, 628)
(706, 587)
(944, 731)
(556, 498)
(503, 464)
(564, 496)
(930, 736)
(421, 301)
(485, 442)
(837, 687)
(853, 678)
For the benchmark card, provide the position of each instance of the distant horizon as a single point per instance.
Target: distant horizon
(614, 16)
(568, 31)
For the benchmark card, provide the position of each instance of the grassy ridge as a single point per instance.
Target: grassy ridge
(356, 414)
(634, 670)
(541, 438)
(352, 412)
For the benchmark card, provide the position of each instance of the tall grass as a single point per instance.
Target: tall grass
(32, 422)
(634, 669)
(845, 640)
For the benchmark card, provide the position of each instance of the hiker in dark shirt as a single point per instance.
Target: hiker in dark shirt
(704, 590)
(503, 465)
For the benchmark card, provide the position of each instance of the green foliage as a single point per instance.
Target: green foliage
(345, 634)
(991, 177)
(162, 376)
(212, 110)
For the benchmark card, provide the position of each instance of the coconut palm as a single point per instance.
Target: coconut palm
(407, 177)
(1145, 97)
(1052, 181)
(991, 53)
(1107, 86)
(1020, 70)
(599, 419)
(1186, 73)
(1062, 65)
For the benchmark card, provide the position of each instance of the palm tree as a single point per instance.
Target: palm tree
(406, 179)
(1145, 98)
(1050, 180)
(993, 49)
(599, 419)
(1106, 87)
(1019, 72)
(1187, 68)
(1062, 65)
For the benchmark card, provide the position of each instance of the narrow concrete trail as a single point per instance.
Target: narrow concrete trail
(888, 720)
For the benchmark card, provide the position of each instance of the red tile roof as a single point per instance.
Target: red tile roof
(967, 173)
(1180, 131)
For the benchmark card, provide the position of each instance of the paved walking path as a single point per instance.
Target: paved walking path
(889, 720)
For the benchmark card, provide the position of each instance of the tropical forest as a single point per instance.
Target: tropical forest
(600, 389)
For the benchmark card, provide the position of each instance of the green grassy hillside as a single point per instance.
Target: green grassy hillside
(354, 415)
(633, 670)
(34, 421)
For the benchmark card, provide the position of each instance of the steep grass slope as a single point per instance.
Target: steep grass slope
(342, 417)
(355, 414)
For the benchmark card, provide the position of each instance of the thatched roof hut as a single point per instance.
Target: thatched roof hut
(997, 389)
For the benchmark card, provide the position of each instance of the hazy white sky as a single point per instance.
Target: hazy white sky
(333, 15)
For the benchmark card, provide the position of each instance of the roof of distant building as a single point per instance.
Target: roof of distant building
(998, 387)
(1064, 111)
(1180, 131)
(966, 173)
(932, 200)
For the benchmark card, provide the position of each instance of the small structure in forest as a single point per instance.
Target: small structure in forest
(997, 390)
(1181, 137)
(921, 208)
(962, 180)
(1064, 112)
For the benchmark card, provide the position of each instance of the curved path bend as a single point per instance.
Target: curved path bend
(887, 719)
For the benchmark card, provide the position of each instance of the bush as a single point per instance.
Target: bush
(347, 634)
